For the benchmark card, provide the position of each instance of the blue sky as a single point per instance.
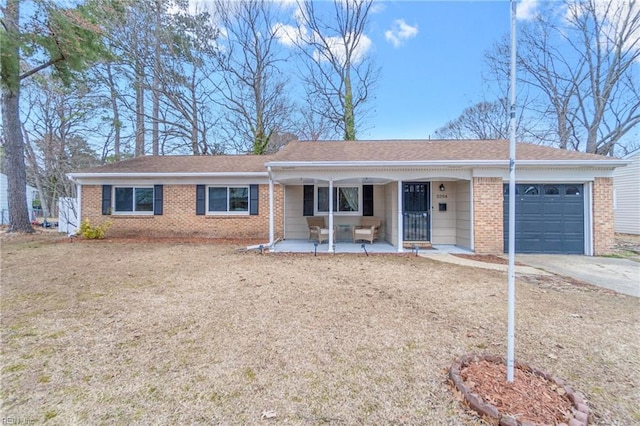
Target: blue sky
(437, 70)
(430, 78)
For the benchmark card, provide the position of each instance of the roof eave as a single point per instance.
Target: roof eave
(116, 175)
(449, 163)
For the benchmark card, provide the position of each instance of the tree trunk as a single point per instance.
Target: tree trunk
(155, 131)
(13, 143)
(14, 163)
(349, 115)
(116, 113)
(139, 108)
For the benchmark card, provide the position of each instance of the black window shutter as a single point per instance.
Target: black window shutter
(157, 200)
(200, 199)
(307, 204)
(367, 200)
(253, 199)
(106, 199)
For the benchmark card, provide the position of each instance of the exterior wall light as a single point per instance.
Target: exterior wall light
(442, 187)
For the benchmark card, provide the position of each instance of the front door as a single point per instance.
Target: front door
(416, 210)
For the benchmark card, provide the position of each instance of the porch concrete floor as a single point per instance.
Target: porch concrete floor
(304, 246)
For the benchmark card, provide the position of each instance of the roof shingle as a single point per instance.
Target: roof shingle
(422, 150)
(345, 151)
(187, 164)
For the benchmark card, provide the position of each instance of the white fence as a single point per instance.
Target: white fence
(68, 215)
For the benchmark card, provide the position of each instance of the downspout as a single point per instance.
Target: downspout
(588, 223)
(271, 218)
(472, 237)
(331, 248)
(79, 197)
(400, 217)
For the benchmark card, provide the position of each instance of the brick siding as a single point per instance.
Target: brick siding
(487, 215)
(603, 224)
(179, 217)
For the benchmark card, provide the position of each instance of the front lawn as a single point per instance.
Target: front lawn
(124, 332)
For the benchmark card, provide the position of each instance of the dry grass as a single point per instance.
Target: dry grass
(120, 332)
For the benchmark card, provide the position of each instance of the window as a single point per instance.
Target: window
(572, 190)
(551, 190)
(346, 199)
(133, 200)
(531, 190)
(224, 199)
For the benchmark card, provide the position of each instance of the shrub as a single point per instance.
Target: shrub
(93, 232)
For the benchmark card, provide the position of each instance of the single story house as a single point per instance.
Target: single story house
(424, 191)
(626, 196)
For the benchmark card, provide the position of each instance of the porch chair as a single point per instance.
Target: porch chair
(317, 229)
(367, 230)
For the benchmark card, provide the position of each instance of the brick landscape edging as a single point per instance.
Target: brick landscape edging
(580, 412)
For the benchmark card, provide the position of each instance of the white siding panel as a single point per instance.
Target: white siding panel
(443, 223)
(626, 183)
(296, 223)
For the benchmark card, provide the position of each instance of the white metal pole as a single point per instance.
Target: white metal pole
(512, 205)
(400, 218)
(331, 242)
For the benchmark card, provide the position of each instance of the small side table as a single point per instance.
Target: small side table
(343, 234)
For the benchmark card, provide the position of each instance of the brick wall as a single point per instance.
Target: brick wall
(603, 224)
(180, 219)
(487, 215)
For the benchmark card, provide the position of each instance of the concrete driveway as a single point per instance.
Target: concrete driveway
(620, 275)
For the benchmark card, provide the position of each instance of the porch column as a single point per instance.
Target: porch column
(330, 215)
(271, 231)
(400, 217)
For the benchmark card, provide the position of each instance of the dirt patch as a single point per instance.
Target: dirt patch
(627, 246)
(488, 258)
(166, 332)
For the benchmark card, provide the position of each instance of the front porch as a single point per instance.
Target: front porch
(378, 247)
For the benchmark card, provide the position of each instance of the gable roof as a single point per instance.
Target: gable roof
(423, 151)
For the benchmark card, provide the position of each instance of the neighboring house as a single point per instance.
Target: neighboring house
(626, 189)
(439, 192)
(4, 200)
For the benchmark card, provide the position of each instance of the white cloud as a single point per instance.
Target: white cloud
(289, 35)
(399, 32)
(338, 49)
(527, 10)
(377, 7)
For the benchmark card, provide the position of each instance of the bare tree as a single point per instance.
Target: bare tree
(158, 78)
(250, 85)
(57, 118)
(339, 73)
(313, 126)
(488, 120)
(184, 84)
(583, 68)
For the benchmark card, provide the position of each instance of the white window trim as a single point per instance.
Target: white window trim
(227, 213)
(316, 212)
(133, 213)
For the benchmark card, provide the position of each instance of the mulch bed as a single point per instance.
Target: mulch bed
(534, 398)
